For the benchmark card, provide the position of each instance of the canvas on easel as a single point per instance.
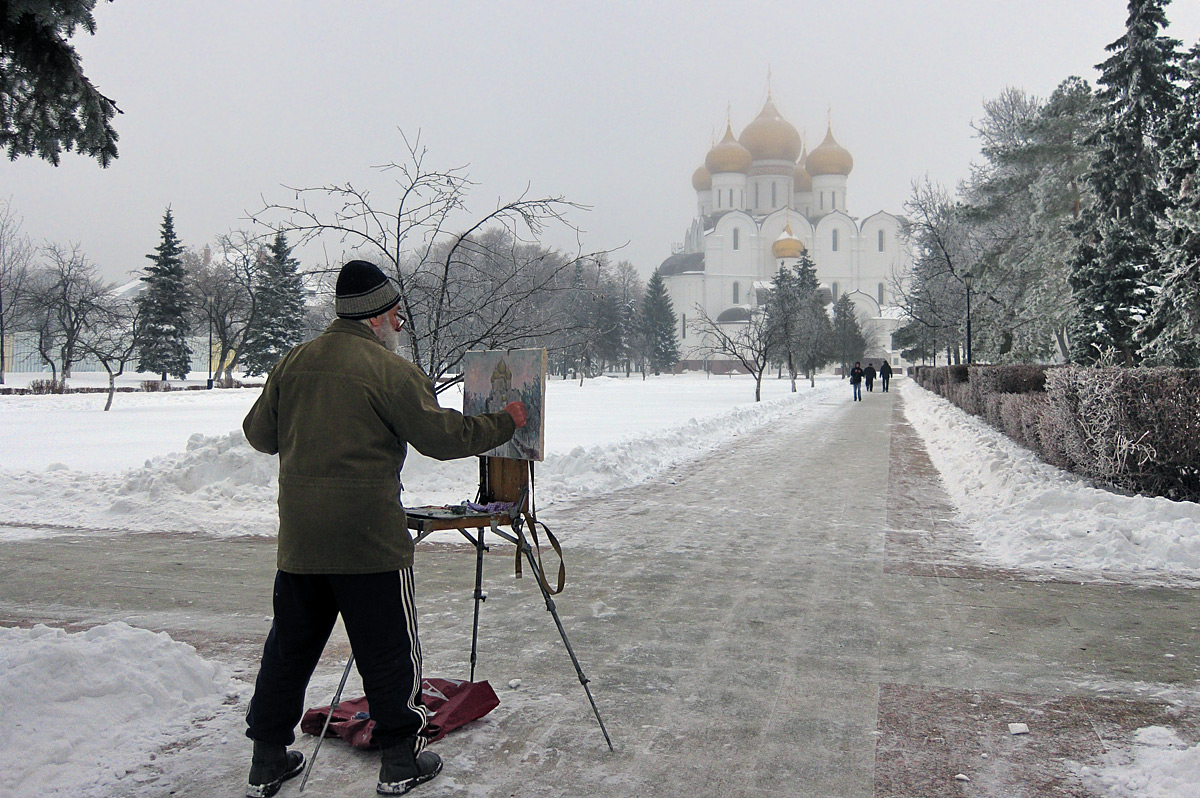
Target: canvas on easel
(493, 378)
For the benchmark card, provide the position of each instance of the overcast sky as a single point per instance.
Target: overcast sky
(610, 104)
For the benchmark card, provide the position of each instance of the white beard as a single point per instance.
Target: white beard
(387, 336)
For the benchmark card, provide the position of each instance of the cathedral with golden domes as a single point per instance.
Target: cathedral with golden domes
(762, 199)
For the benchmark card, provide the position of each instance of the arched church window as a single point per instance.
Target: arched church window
(833, 290)
(835, 240)
(730, 198)
(881, 241)
(881, 294)
(736, 238)
(833, 200)
(683, 333)
(822, 200)
(735, 293)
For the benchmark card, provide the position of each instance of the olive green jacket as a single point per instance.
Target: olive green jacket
(340, 410)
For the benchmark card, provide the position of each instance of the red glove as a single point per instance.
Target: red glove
(517, 411)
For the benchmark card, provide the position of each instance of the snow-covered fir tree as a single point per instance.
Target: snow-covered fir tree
(163, 306)
(278, 322)
(1116, 264)
(1171, 334)
(658, 316)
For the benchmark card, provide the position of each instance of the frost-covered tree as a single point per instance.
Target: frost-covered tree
(47, 104)
(163, 308)
(932, 293)
(1020, 203)
(1116, 263)
(1172, 331)
(659, 321)
(279, 319)
(849, 343)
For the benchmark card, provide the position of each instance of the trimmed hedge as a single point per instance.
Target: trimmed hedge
(1134, 429)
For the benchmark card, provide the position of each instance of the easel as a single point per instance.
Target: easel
(502, 479)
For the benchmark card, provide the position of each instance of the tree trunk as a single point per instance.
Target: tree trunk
(112, 389)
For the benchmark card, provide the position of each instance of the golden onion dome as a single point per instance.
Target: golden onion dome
(701, 179)
(829, 158)
(728, 156)
(787, 245)
(770, 137)
(801, 178)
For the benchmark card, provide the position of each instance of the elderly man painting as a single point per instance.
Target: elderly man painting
(340, 411)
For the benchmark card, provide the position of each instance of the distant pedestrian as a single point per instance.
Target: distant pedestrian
(885, 375)
(856, 376)
(869, 376)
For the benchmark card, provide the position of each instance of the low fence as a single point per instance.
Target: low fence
(1137, 429)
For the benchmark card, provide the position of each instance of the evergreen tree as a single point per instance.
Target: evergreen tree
(1172, 331)
(1116, 263)
(786, 307)
(658, 317)
(278, 321)
(47, 104)
(815, 333)
(849, 343)
(163, 307)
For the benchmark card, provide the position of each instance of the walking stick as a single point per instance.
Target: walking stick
(332, 707)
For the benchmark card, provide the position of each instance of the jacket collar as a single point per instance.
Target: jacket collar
(352, 327)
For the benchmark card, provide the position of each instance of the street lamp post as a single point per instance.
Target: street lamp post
(210, 377)
(967, 279)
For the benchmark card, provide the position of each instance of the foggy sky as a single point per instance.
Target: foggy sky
(609, 104)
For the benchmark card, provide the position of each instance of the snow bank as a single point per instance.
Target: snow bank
(84, 711)
(1161, 766)
(1025, 513)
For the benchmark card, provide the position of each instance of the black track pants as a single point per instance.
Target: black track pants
(381, 622)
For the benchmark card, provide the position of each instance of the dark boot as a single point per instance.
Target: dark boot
(272, 765)
(402, 769)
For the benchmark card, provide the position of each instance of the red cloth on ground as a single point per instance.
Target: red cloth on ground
(452, 703)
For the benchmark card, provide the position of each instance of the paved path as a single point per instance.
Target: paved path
(788, 617)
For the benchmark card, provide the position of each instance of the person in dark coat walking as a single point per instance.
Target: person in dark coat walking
(340, 411)
(869, 376)
(856, 376)
(885, 375)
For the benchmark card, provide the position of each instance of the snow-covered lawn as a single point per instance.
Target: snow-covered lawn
(177, 462)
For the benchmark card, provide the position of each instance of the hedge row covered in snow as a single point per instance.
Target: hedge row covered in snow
(1136, 429)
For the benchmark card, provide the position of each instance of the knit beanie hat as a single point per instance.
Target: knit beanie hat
(363, 291)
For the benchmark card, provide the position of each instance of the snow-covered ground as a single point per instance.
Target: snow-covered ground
(177, 463)
(1024, 513)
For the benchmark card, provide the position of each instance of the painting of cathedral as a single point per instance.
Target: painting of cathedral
(493, 378)
(763, 198)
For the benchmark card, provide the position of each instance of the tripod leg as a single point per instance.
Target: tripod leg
(553, 610)
(480, 597)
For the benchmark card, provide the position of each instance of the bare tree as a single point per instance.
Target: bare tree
(16, 259)
(487, 286)
(223, 286)
(933, 295)
(66, 293)
(750, 340)
(111, 337)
